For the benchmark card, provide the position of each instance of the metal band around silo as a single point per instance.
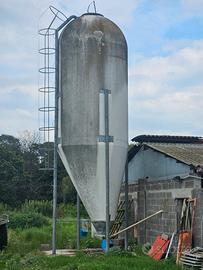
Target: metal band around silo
(103, 138)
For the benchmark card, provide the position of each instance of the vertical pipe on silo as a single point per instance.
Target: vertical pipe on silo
(106, 112)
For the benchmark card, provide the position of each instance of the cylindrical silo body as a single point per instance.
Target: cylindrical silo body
(93, 58)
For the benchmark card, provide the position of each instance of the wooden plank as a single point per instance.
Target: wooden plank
(137, 223)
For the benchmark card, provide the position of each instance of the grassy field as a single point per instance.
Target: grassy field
(23, 251)
(84, 262)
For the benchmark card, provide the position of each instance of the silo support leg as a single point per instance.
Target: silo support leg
(78, 222)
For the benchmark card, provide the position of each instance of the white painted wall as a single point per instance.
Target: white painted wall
(155, 165)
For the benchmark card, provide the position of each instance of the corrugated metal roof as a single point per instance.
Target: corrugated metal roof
(167, 139)
(190, 154)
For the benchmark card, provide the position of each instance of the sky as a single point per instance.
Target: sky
(165, 54)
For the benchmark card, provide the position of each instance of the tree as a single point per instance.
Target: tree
(20, 175)
(11, 169)
(68, 191)
(38, 182)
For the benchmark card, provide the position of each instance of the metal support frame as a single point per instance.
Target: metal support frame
(55, 145)
(103, 138)
(126, 203)
(106, 109)
(78, 222)
(106, 139)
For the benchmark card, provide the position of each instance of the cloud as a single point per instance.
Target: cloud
(165, 73)
(19, 23)
(14, 121)
(193, 7)
(184, 61)
(116, 10)
(18, 108)
(165, 93)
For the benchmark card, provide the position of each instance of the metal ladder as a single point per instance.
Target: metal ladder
(47, 88)
(120, 216)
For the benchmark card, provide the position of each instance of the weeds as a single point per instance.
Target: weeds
(100, 262)
(23, 251)
(26, 220)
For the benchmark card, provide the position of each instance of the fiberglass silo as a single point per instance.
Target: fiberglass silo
(93, 56)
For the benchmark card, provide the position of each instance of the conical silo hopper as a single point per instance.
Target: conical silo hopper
(93, 58)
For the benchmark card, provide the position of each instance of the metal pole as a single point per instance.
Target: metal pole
(55, 144)
(126, 203)
(106, 112)
(56, 133)
(54, 216)
(78, 222)
(170, 244)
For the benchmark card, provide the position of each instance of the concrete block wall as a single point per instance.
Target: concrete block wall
(163, 223)
(198, 224)
(152, 196)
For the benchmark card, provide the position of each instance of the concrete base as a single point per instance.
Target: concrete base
(72, 252)
(64, 252)
(100, 227)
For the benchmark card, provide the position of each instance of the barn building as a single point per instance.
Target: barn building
(163, 171)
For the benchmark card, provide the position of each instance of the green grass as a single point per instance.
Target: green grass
(27, 240)
(85, 262)
(23, 252)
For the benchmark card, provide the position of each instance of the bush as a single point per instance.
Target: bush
(43, 207)
(13, 263)
(26, 220)
(4, 208)
(70, 210)
(91, 243)
(66, 210)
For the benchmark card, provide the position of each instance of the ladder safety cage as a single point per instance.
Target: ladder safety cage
(47, 87)
(48, 101)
